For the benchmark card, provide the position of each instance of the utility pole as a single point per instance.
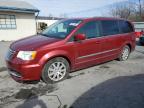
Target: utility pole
(140, 9)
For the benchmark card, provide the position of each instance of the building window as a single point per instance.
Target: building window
(7, 22)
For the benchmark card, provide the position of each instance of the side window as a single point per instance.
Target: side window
(125, 27)
(90, 29)
(109, 27)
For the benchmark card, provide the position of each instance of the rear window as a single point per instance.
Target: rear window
(109, 27)
(125, 27)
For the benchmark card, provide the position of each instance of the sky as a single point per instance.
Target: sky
(72, 8)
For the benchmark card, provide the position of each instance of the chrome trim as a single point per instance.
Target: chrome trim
(97, 58)
(14, 74)
(94, 54)
(11, 51)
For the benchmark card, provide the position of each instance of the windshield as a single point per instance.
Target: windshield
(61, 29)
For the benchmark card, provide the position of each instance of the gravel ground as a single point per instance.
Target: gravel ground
(3, 49)
(110, 85)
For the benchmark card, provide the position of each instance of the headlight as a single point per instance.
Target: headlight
(26, 55)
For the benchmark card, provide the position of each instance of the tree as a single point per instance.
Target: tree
(123, 10)
(128, 10)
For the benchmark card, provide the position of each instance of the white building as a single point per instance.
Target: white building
(46, 20)
(139, 26)
(17, 20)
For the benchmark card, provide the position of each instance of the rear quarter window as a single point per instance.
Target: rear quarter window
(125, 27)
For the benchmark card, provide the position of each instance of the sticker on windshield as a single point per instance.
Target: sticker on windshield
(74, 24)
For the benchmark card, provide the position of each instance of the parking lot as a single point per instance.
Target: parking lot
(112, 84)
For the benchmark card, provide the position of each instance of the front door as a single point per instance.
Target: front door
(87, 51)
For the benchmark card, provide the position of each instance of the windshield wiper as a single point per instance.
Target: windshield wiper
(44, 34)
(50, 36)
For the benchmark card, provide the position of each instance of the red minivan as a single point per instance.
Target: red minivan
(69, 45)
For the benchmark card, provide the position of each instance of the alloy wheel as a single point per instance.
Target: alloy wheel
(56, 71)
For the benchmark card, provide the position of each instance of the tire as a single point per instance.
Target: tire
(124, 54)
(55, 70)
(141, 43)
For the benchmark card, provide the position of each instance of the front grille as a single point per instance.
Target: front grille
(10, 54)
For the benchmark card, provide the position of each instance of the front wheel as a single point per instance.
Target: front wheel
(125, 53)
(55, 70)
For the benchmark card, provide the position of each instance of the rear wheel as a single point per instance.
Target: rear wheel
(55, 70)
(141, 43)
(125, 53)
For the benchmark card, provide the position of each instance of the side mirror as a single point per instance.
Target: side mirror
(80, 37)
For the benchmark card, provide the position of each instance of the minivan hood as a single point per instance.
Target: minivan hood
(32, 43)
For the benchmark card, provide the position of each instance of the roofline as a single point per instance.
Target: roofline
(5, 8)
(109, 18)
(93, 18)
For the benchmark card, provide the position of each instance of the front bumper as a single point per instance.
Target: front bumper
(24, 72)
(15, 75)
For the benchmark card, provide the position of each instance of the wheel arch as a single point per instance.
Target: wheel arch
(55, 54)
(130, 46)
(50, 58)
(63, 56)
